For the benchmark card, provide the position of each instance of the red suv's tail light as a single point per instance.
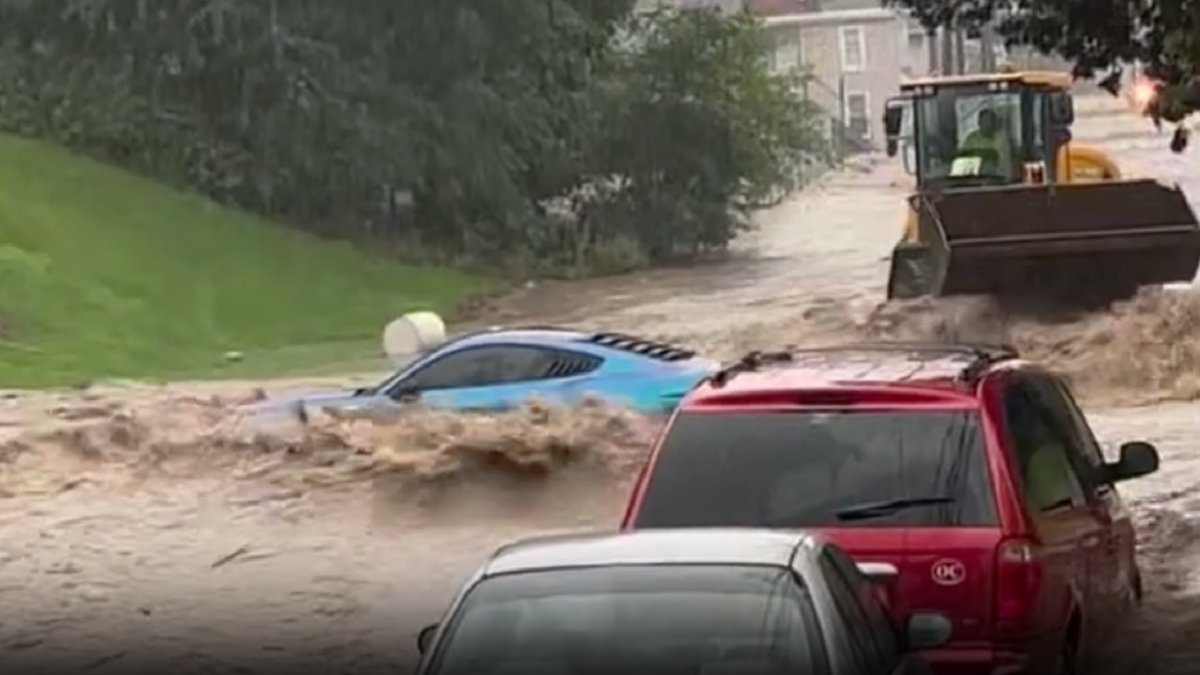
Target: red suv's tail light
(1018, 583)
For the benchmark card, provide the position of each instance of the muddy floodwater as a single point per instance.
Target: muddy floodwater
(158, 527)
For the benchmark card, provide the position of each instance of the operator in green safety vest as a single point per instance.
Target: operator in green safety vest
(989, 135)
(1046, 471)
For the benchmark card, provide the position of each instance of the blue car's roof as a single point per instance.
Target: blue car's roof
(530, 336)
(600, 343)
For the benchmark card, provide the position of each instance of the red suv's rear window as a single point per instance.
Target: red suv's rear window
(820, 469)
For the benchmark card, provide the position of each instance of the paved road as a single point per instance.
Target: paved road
(144, 528)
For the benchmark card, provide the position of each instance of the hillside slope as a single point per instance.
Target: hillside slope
(107, 274)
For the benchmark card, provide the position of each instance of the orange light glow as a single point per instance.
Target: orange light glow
(1142, 93)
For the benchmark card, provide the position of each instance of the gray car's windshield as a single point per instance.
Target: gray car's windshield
(673, 620)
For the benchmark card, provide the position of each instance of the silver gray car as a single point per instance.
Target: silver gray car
(678, 602)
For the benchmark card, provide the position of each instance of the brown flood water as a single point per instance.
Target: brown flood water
(157, 526)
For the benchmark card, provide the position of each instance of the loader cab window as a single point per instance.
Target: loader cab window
(969, 137)
(1046, 133)
(1037, 122)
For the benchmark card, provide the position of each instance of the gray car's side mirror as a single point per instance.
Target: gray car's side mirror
(425, 637)
(1137, 459)
(927, 630)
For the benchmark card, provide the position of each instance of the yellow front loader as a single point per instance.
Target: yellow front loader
(1007, 205)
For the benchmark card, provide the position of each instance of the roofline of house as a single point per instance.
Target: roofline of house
(835, 16)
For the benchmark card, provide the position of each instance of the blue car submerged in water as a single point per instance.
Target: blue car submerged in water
(501, 368)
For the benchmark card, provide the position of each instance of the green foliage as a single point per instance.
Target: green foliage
(107, 273)
(557, 134)
(1100, 37)
(693, 133)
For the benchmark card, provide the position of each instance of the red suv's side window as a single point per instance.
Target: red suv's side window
(1043, 453)
(1088, 452)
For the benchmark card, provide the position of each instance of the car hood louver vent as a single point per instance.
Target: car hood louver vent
(642, 346)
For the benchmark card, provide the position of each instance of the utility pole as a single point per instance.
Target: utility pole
(960, 51)
(987, 48)
(948, 65)
(931, 46)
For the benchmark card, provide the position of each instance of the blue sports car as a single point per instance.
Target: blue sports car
(500, 368)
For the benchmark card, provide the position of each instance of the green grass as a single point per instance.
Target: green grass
(108, 274)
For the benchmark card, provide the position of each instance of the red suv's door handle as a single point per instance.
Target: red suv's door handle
(1091, 542)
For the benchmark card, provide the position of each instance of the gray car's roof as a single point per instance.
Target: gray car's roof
(698, 546)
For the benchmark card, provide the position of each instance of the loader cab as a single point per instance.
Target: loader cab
(982, 131)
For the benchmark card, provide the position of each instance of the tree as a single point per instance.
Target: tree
(1099, 37)
(556, 133)
(696, 133)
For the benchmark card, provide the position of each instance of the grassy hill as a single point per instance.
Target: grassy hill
(107, 274)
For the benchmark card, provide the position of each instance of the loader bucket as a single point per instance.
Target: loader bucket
(1088, 242)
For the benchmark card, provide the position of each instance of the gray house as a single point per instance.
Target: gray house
(857, 52)
(857, 57)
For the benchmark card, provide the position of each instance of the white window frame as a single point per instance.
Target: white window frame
(848, 65)
(916, 56)
(846, 116)
(920, 34)
(794, 50)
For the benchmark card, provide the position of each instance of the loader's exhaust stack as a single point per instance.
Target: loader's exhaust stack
(1073, 244)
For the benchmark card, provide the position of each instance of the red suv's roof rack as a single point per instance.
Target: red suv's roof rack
(982, 356)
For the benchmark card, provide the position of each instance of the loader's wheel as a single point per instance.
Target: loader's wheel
(910, 273)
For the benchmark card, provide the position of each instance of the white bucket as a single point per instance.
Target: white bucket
(413, 334)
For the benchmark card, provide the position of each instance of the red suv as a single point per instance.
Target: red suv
(971, 472)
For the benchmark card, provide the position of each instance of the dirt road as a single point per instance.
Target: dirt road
(154, 527)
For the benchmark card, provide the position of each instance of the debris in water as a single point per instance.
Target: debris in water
(231, 556)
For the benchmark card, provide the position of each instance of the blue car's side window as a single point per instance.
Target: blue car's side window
(486, 366)
(470, 368)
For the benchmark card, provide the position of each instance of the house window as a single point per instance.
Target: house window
(854, 48)
(785, 54)
(858, 115)
(916, 58)
(916, 39)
